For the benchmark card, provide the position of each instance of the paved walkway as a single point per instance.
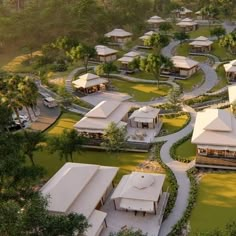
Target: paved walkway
(168, 50)
(179, 169)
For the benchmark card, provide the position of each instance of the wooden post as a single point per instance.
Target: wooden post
(114, 202)
(105, 222)
(155, 211)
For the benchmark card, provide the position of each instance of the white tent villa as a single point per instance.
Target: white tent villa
(183, 12)
(94, 123)
(230, 69)
(139, 192)
(81, 188)
(215, 134)
(119, 36)
(201, 45)
(147, 35)
(90, 83)
(155, 22)
(184, 67)
(105, 54)
(188, 24)
(127, 59)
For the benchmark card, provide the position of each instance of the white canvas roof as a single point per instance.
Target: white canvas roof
(118, 33)
(215, 127)
(78, 187)
(155, 19)
(183, 62)
(232, 93)
(145, 114)
(104, 50)
(97, 120)
(132, 54)
(231, 66)
(186, 22)
(89, 80)
(147, 35)
(201, 41)
(126, 59)
(139, 186)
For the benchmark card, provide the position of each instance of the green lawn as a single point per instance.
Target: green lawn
(145, 75)
(183, 49)
(141, 92)
(201, 31)
(172, 125)
(199, 58)
(222, 79)
(216, 204)
(186, 150)
(221, 52)
(194, 81)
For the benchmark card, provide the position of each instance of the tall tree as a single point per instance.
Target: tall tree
(106, 69)
(229, 42)
(68, 143)
(218, 32)
(181, 36)
(114, 138)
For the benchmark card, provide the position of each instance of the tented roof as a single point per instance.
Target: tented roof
(145, 114)
(231, 66)
(155, 19)
(104, 50)
(201, 41)
(186, 22)
(183, 62)
(118, 33)
(78, 187)
(98, 119)
(147, 35)
(215, 127)
(132, 54)
(232, 93)
(139, 186)
(89, 80)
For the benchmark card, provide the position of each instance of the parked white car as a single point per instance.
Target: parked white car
(50, 102)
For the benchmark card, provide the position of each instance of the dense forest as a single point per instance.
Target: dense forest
(30, 23)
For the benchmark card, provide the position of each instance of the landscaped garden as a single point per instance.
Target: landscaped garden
(141, 92)
(146, 75)
(222, 53)
(201, 31)
(193, 82)
(173, 123)
(216, 205)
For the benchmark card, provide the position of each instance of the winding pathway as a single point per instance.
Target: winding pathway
(179, 169)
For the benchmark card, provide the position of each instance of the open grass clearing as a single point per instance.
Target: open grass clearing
(216, 205)
(222, 53)
(201, 31)
(147, 76)
(141, 92)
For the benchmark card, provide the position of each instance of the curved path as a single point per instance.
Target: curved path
(179, 169)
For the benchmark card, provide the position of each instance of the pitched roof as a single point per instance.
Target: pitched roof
(145, 112)
(231, 66)
(118, 33)
(186, 22)
(147, 35)
(183, 62)
(155, 19)
(215, 127)
(104, 50)
(89, 80)
(201, 41)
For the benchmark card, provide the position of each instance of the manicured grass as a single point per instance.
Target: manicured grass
(182, 49)
(216, 205)
(141, 92)
(199, 58)
(172, 125)
(186, 150)
(201, 31)
(194, 81)
(221, 52)
(222, 79)
(66, 121)
(145, 75)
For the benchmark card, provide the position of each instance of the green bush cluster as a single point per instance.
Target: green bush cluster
(178, 228)
(169, 107)
(175, 146)
(171, 179)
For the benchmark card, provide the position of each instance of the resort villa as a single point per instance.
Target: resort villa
(105, 54)
(154, 22)
(187, 25)
(199, 15)
(119, 36)
(139, 192)
(142, 125)
(215, 136)
(232, 98)
(90, 83)
(147, 36)
(183, 12)
(184, 67)
(201, 45)
(83, 189)
(127, 59)
(230, 70)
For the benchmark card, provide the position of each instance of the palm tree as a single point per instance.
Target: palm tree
(229, 41)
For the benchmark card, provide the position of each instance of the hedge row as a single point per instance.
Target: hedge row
(177, 230)
(175, 146)
(171, 179)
